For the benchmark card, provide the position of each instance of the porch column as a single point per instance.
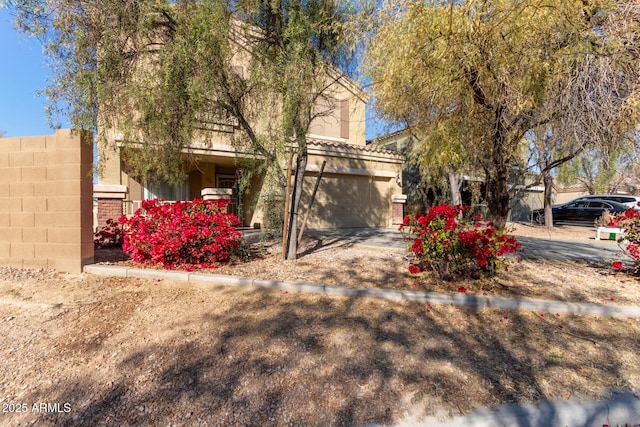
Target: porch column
(110, 199)
(397, 208)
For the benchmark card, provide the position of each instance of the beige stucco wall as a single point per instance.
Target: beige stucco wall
(566, 196)
(341, 113)
(46, 191)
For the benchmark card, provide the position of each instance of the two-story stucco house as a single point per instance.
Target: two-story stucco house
(359, 186)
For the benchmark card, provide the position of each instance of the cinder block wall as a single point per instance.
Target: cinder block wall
(46, 201)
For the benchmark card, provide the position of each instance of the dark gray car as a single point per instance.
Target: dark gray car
(580, 211)
(628, 200)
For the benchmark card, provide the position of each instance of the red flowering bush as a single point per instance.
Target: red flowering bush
(445, 243)
(629, 221)
(195, 234)
(624, 220)
(111, 235)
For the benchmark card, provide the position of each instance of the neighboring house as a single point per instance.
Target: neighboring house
(360, 186)
(472, 187)
(567, 193)
(528, 201)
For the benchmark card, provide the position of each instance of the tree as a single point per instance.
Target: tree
(425, 186)
(490, 72)
(591, 131)
(165, 73)
(440, 158)
(601, 171)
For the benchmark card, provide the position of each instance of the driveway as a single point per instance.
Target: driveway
(589, 251)
(382, 238)
(593, 252)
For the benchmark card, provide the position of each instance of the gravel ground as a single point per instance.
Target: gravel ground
(88, 350)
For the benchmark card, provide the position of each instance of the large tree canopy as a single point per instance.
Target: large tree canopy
(163, 74)
(477, 76)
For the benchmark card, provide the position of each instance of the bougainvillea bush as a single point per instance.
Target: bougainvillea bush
(446, 243)
(111, 235)
(629, 221)
(188, 235)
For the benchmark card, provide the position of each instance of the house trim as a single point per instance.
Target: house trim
(109, 191)
(203, 148)
(351, 171)
(313, 136)
(350, 151)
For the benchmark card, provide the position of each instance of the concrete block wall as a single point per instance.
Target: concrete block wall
(46, 201)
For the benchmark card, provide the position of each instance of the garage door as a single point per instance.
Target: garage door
(348, 201)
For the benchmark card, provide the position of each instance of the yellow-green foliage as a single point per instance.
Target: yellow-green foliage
(474, 77)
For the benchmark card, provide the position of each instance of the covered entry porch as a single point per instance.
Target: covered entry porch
(211, 173)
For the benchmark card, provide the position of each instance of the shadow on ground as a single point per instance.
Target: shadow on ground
(273, 358)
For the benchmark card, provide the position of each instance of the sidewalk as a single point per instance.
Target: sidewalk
(621, 409)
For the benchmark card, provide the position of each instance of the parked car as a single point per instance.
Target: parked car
(581, 210)
(625, 199)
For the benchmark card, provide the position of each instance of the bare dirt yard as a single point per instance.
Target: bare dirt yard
(91, 350)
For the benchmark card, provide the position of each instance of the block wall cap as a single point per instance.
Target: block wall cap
(399, 198)
(109, 191)
(216, 192)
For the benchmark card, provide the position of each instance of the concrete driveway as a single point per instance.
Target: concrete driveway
(589, 251)
(592, 252)
(382, 238)
(622, 408)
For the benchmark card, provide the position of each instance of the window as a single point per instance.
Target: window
(332, 118)
(578, 205)
(167, 192)
(626, 200)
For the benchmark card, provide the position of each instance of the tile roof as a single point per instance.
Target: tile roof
(363, 149)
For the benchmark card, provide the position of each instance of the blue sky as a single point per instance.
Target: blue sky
(23, 72)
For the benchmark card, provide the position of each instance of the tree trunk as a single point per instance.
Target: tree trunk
(548, 192)
(498, 197)
(455, 181)
(301, 166)
(423, 191)
(311, 200)
(498, 185)
(287, 208)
